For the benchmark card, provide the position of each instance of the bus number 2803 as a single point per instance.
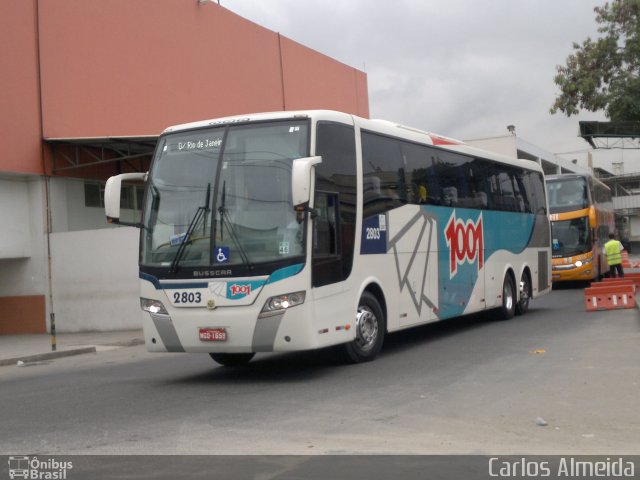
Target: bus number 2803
(373, 233)
(187, 297)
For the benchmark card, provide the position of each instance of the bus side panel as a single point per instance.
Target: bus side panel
(413, 251)
(334, 312)
(476, 249)
(444, 262)
(461, 260)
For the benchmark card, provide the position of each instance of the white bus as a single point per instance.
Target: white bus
(291, 231)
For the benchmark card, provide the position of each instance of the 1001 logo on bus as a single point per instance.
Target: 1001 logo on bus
(465, 241)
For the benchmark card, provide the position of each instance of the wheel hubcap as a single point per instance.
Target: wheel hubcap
(366, 328)
(508, 296)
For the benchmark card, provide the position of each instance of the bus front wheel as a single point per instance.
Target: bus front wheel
(232, 359)
(508, 308)
(371, 326)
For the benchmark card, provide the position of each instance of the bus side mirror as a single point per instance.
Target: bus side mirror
(593, 221)
(112, 196)
(301, 178)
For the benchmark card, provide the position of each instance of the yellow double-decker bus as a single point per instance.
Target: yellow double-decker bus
(582, 216)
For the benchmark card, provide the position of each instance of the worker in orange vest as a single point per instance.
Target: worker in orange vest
(613, 249)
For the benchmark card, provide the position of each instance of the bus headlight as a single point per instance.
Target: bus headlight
(153, 306)
(580, 263)
(278, 304)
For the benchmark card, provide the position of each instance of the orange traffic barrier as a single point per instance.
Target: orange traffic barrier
(628, 277)
(609, 282)
(609, 297)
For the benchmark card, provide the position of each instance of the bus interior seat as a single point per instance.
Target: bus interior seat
(450, 196)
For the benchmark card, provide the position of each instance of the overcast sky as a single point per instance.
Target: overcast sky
(461, 68)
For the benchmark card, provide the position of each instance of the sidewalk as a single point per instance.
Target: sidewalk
(36, 348)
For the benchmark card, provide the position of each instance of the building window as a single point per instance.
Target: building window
(130, 196)
(94, 194)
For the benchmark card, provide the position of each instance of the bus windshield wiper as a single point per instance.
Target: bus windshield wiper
(225, 220)
(200, 213)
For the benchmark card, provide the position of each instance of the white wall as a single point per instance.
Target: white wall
(69, 212)
(15, 234)
(58, 204)
(94, 269)
(23, 257)
(634, 228)
(515, 147)
(94, 264)
(95, 279)
(630, 202)
(501, 145)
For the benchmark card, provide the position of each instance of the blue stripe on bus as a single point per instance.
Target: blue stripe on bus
(285, 272)
(501, 231)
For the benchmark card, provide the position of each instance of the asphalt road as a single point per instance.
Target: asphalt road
(472, 385)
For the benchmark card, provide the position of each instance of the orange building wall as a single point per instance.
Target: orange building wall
(20, 146)
(133, 67)
(317, 81)
(24, 314)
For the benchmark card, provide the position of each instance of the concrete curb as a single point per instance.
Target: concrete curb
(47, 356)
(127, 343)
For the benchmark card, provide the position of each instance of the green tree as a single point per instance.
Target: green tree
(604, 74)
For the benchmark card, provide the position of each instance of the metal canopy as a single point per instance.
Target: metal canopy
(611, 134)
(75, 153)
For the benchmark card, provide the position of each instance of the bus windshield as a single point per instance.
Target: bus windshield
(222, 196)
(571, 237)
(566, 195)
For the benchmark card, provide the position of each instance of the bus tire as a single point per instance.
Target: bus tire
(524, 294)
(232, 359)
(371, 326)
(508, 308)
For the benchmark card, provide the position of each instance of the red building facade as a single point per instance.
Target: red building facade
(77, 71)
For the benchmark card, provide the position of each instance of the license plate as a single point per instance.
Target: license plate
(213, 334)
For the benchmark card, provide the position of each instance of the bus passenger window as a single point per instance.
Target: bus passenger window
(384, 182)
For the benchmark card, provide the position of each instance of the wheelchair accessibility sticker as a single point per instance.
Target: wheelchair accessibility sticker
(221, 255)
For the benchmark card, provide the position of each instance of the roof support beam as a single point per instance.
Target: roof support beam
(611, 134)
(72, 154)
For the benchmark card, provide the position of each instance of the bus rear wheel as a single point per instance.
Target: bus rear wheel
(525, 294)
(371, 326)
(508, 308)
(232, 359)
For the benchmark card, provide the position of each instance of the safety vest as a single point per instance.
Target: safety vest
(612, 249)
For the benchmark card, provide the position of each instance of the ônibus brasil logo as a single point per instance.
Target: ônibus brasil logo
(465, 241)
(32, 468)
